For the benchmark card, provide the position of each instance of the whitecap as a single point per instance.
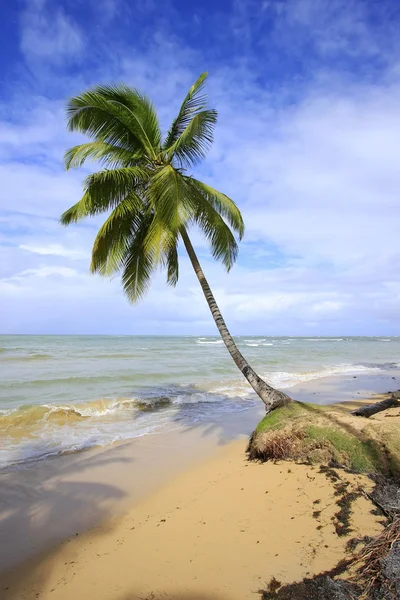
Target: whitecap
(284, 379)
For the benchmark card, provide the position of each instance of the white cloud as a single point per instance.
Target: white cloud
(320, 180)
(46, 271)
(49, 33)
(56, 250)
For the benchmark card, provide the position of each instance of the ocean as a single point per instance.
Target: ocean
(62, 394)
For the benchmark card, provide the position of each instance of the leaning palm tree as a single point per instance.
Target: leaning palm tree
(150, 199)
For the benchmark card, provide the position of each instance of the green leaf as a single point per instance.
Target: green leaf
(114, 236)
(166, 194)
(222, 204)
(107, 188)
(78, 211)
(140, 108)
(139, 263)
(172, 264)
(107, 154)
(104, 190)
(195, 140)
(194, 102)
(222, 241)
(117, 115)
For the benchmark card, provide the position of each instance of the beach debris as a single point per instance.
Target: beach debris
(372, 409)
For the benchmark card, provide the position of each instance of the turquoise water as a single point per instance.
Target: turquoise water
(65, 393)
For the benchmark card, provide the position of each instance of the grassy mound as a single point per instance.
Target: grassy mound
(332, 436)
(315, 434)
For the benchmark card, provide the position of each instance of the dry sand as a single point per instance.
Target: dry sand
(218, 531)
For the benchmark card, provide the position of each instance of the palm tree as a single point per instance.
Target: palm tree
(151, 200)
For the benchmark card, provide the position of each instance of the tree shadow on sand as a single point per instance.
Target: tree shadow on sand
(48, 503)
(43, 503)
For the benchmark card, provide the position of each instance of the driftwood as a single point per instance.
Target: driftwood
(372, 409)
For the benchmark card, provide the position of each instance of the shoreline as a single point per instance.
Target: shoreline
(43, 503)
(90, 493)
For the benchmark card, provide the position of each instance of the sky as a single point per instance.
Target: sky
(307, 144)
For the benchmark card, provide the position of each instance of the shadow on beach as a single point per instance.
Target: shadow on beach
(43, 503)
(48, 503)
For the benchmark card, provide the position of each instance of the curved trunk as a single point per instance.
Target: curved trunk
(272, 398)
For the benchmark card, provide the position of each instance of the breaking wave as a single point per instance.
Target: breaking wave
(31, 416)
(283, 379)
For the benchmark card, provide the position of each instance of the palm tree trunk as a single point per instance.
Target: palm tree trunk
(272, 398)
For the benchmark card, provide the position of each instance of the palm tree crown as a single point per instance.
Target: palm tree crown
(143, 183)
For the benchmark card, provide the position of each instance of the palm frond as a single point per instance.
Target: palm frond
(78, 211)
(222, 204)
(114, 236)
(193, 143)
(109, 187)
(221, 239)
(166, 194)
(194, 102)
(102, 114)
(108, 154)
(140, 108)
(139, 262)
(171, 262)
(159, 240)
(104, 190)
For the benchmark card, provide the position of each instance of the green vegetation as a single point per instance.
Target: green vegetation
(326, 434)
(279, 418)
(362, 455)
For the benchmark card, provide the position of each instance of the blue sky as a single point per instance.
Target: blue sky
(308, 144)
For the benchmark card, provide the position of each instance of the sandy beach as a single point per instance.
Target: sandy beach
(219, 531)
(200, 523)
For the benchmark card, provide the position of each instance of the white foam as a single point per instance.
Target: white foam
(199, 341)
(323, 339)
(196, 398)
(283, 379)
(108, 408)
